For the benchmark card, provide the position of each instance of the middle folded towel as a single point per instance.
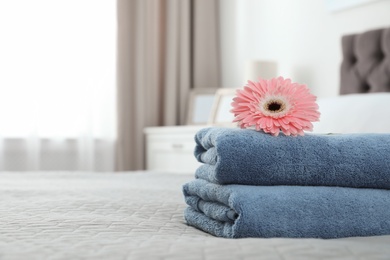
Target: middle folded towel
(243, 156)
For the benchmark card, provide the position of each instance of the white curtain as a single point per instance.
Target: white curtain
(57, 84)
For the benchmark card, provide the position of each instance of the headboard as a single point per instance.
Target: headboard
(366, 62)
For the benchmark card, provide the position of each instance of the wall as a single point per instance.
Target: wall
(303, 36)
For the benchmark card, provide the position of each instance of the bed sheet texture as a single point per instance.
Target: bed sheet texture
(65, 215)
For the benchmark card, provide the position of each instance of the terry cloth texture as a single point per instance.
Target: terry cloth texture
(243, 156)
(238, 211)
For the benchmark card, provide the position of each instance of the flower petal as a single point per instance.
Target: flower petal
(250, 107)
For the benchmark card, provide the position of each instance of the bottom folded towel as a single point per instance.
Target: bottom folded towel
(238, 211)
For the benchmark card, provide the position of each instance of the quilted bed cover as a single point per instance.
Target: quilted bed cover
(137, 215)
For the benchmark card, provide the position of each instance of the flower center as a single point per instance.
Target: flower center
(274, 106)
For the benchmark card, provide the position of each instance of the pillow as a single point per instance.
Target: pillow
(355, 113)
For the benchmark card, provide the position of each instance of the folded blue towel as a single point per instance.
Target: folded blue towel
(238, 211)
(243, 156)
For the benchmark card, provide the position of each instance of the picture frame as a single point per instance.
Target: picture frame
(200, 105)
(341, 5)
(220, 113)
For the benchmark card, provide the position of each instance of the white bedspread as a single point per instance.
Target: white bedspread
(133, 216)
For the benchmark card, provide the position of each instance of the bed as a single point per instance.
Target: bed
(133, 216)
(139, 215)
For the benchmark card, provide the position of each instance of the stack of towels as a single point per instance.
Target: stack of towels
(253, 184)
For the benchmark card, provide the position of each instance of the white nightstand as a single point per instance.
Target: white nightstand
(171, 149)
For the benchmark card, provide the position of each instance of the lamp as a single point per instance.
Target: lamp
(256, 69)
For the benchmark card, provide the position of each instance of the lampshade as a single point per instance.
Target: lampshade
(260, 69)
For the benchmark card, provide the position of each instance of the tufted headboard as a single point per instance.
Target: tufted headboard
(366, 62)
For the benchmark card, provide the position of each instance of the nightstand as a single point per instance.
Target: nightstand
(171, 148)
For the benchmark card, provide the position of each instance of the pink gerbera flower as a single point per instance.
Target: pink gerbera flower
(275, 105)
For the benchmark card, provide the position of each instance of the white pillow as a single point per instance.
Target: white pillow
(355, 113)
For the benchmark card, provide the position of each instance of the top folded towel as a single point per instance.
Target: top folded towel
(243, 156)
